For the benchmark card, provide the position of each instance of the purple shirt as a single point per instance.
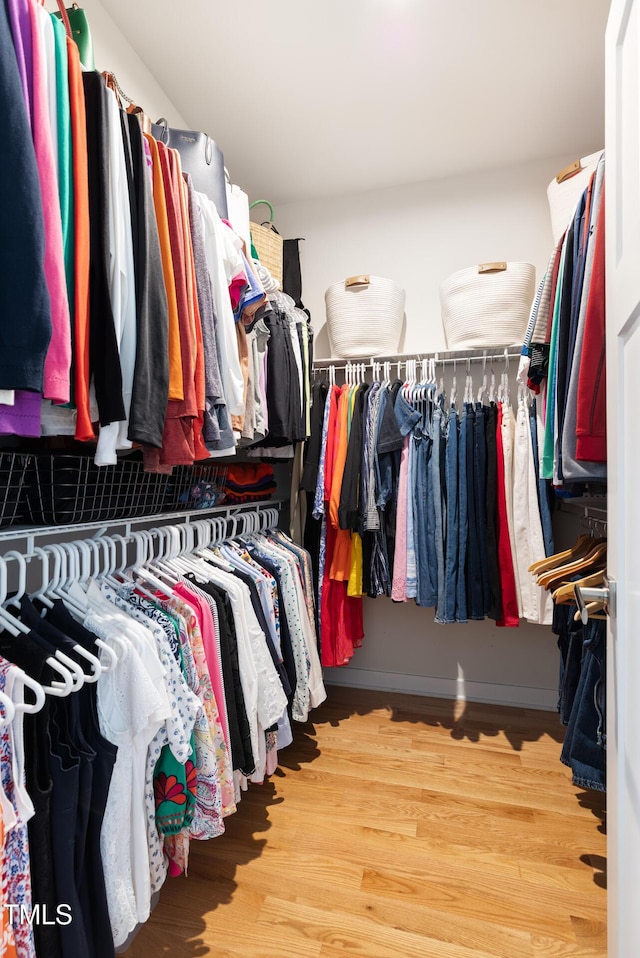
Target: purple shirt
(21, 29)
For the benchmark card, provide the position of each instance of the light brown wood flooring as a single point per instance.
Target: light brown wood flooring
(400, 827)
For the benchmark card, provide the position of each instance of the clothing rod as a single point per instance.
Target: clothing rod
(441, 357)
(33, 534)
(594, 511)
(190, 534)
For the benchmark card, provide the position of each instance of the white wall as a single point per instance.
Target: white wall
(113, 52)
(418, 235)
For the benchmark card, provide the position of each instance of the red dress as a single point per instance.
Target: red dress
(510, 616)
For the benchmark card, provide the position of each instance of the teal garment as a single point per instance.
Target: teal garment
(546, 468)
(65, 173)
(65, 152)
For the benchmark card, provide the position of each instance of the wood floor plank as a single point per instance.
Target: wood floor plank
(547, 947)
(371, 848)
(341, 934)
(496, 835)
(470, 932)
(396, 827)
(540, 910)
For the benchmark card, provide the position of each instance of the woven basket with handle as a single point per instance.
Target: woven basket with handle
(268, 243)
(487, 305)
(364, 316)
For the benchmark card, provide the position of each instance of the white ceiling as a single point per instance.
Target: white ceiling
(327, 98)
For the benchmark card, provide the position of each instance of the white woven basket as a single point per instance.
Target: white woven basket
(364, 316)
(565, 190)
(487, 305)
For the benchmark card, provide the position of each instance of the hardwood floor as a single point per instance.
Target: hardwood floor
(396, 828)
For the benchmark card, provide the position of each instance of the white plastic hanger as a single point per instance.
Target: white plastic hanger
(141, 572)
(62, 593)
(169, 549)
(61, 664)
(483, 388)
(96, 669)
(45, 555)
(84, 553)
(88, 553)
(38, 690)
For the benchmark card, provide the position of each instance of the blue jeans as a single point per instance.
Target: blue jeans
(427, 590)
(475, 600)
(463, 520)
(446, 611)
(570, 635)
(584, 749)
(436, 517)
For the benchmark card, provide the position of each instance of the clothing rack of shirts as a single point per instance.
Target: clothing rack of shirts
(564, 353)
(146, 315)
(166, 667)
(425, 491)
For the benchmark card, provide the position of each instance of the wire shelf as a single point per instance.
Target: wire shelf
(64, 490)
(13, 472)
(71, 489)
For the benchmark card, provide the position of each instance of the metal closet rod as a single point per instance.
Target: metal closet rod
(442, 357)
(594, 512)
(31, 535)
(158, 542)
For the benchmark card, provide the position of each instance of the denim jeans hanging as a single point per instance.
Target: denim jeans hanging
(446, 611)
(426, 559)
(475, 600)
(584, 749)
(463, 519)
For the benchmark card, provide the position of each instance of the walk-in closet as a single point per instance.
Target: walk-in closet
(318, 506)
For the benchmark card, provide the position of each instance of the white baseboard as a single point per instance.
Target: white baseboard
(447, 688)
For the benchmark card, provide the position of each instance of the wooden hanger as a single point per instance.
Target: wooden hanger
(551, 562)
(592, 609)
(566, 592)
(557, 576)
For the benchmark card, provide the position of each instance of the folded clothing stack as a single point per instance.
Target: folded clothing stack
(249, 482)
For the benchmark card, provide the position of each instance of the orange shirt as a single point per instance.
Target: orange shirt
(80, 317)
(200, 450)
(172, 173)
(176, 387)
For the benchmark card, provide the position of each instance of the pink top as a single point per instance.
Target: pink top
(58, 362)
(207, 628)
(399, 591)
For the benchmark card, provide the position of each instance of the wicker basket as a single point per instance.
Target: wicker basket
(487, 305)
(364, 316)
(268, 244)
